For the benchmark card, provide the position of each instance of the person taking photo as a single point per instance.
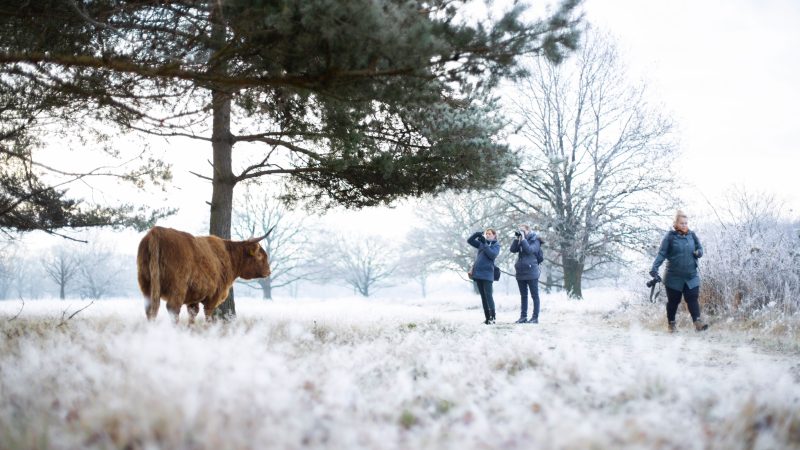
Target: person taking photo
(528, 247)
(483, 269)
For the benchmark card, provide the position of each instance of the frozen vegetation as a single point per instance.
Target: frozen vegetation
(391, 374)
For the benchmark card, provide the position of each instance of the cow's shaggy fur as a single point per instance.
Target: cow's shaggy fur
(187, 270)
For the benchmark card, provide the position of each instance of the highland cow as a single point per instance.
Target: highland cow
(187, 270)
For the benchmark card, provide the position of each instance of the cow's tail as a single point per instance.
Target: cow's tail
(155, 278)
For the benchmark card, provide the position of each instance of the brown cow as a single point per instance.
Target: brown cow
(187, 270)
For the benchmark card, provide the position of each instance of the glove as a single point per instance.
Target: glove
(654, 274)
(698, 253)
(481, 239)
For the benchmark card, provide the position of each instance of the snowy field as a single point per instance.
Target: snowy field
(352, 373)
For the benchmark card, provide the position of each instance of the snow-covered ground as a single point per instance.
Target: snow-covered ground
(352, 373)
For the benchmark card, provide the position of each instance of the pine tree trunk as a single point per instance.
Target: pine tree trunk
(222, 145)
(223, 182)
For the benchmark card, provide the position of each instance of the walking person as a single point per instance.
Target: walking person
(529, 248)
(483, 268)
(681, 249)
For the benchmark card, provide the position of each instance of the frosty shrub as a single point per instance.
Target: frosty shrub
(752, 261)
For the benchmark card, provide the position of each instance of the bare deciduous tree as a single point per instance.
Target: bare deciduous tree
(596, 159)
(100, 272)
(415, 263)
(364, 263)
(7, 275)
(289, 245)
(62, 266)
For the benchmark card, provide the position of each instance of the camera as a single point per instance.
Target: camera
(517, 233)
(654, 281)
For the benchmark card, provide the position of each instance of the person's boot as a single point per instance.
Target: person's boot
(534, 320)
(672, 327)
(699, 325)
(521, 320)
(491, 317)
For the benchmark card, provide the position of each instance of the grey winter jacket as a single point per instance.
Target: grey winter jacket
(679, 252)
(527, 267)
(483, 269)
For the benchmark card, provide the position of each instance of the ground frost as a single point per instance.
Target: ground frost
(386, 375)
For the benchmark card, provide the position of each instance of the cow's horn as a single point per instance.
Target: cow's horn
(259, 239)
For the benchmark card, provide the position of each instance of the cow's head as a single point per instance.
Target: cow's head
(255, 263)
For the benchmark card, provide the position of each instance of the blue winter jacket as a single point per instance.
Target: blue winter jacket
(679, 252)
(483, 269)
(527, 267)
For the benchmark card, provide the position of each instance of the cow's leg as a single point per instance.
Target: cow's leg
(209, 305)
(151, 307)
(208, 311)
(174, 308)
(193, 310)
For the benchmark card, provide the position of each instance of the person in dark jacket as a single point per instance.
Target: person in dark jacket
(483, 268)
(681, 249)
(529, 247)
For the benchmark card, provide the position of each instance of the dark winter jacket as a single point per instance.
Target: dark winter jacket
(679, 252)
(483, 269)
(527, 266)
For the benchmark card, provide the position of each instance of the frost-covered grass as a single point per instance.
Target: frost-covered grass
(379, 374)
(767, 329)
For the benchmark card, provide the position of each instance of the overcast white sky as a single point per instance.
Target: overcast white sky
(728, 71)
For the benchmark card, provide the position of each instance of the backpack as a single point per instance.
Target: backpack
(540, 253)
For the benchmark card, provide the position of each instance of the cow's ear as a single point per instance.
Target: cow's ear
(252, 250)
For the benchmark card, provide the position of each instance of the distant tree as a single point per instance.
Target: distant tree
(359, 102)
(20, 275)
(62, 266)
(8, 256)
(100, 271)
(596, 159)
(290, 246)
(416, 264)
(365, 263)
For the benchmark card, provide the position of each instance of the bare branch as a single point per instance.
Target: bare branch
(20, 310)
(64, 313)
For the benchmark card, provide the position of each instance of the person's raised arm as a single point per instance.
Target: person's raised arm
(473, 240)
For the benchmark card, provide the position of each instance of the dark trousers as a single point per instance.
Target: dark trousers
(485, 289)
(674, 300)
(524, 286)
